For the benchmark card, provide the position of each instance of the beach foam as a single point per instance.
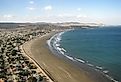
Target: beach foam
(90, 64)
(99, 67)
(105, 71)
(69, 57)
(57, 45)
(82, 61)
(111, 78)
(63, 49)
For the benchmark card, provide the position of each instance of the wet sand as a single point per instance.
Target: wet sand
(59, 69)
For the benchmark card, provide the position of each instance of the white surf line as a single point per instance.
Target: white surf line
(65, 72)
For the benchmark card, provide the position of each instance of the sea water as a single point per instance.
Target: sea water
(99, 48)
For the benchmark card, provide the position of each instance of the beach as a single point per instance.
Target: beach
(59, 69)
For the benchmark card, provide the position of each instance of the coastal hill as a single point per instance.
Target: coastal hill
(78, 24)
(48, 25)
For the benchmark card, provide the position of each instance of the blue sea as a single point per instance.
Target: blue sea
(99, 48)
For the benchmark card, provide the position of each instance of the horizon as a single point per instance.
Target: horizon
(59, 11)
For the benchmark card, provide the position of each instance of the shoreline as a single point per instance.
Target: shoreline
(58, 50)
(61, 70)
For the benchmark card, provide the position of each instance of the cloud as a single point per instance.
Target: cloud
(31, 2)
(48, 8)
(78, 9)
(82, 16)
(65, 15)
(54, 18)
(8, 16)
(30, 8)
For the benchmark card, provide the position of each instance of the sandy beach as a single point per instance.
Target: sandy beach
(59, 69)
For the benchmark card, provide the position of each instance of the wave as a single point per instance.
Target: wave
(49, 41)
(60, 50)
(99, 67)
(82, 61)
(90, 65)
(63, 49)
(69, 57)
(57, 45)
(105, 71)
(112, 79)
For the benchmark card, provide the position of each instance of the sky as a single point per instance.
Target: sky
(84, 11)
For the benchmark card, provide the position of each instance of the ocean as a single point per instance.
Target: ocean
(99, 48)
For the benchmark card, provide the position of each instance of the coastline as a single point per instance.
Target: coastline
(60, 69)
(58, 50)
